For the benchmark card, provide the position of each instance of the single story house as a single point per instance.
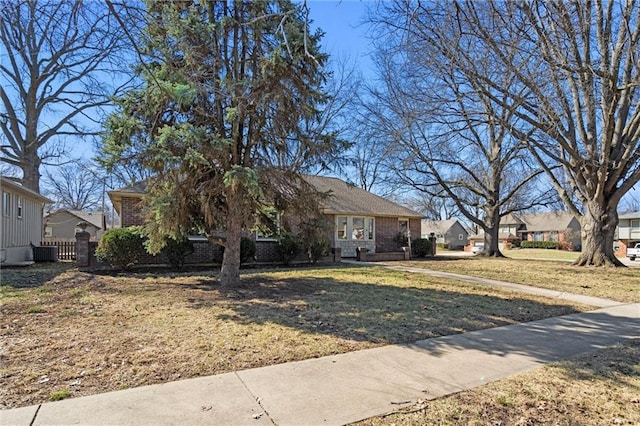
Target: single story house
(449, 232)
(62, 225)
(558, 226)
(359, 218)
(22, 212)
(627, 232)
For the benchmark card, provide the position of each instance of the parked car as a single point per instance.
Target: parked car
(477, 248)
(634, 252)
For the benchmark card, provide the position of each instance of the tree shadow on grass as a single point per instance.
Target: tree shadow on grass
(36, 275)
(381, 314)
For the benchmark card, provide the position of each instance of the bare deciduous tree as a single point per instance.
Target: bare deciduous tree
(576, 89)
(74, 187)
(58, 65)
(446, 128)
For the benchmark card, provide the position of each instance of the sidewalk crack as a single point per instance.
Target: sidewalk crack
(35, 415)
(257, 399)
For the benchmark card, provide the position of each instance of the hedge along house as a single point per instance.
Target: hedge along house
(357, 217)
(22, 222)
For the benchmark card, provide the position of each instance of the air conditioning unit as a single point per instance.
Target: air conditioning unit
(45, 253)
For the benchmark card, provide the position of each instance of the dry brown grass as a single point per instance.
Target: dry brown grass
(601, 388)
(74, 333)
(621, 284)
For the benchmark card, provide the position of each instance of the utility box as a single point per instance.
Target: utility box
(45, 253)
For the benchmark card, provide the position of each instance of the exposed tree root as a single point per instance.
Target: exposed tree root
(599, 260)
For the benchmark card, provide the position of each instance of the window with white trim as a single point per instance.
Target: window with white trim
(635, 224)
(19, 199)
(48, 231)
(355, 228)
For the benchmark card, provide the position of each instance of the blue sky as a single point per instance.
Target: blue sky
(345, 34)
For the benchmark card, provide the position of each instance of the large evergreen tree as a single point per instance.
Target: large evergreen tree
(227, 118)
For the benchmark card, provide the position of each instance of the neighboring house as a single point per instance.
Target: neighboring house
(561, 227)
(449, 232)
(22, 211)
(627, 232)
(358, 217)
(62, 225)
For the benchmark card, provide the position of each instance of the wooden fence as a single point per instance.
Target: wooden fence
(66, 249)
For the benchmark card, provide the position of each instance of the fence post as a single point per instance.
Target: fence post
(82, 248)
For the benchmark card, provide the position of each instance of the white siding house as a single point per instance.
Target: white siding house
(22, 212)
(627, 232)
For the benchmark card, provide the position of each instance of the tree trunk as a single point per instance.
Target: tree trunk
(598, 229)
(491, 233)
(30, 165)
(230, 273)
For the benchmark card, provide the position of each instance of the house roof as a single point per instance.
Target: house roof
(349, 199)
(92, 218)
(439, 226)
(546, 221)
(629, 215)
(15, 186)
(344, 198)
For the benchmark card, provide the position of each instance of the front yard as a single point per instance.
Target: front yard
(68, 333)
(621, 284)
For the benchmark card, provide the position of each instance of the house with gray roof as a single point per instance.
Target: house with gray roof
(558, 226)
(62, 225)
(358, 218)
(449, 232)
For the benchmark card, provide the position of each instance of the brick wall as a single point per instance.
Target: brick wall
(387, 229)
(131, 213)
(622, 248)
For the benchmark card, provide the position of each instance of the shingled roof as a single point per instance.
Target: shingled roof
(349, 199)
(546, 221)
(344, 198)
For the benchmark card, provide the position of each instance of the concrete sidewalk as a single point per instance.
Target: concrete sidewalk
(345, 388)
(520, 288)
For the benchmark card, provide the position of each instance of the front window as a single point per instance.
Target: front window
(635, 224)
(357, 232)
(48, 231)
(342, 227)
(538, 236)
(554, 236)
(19, 207)
(354, 228)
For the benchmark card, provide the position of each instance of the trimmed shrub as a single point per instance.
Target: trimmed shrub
(121, 247)
(539, 244)
(288, 247)
(177, 251)
(247, 249)
(421, 247)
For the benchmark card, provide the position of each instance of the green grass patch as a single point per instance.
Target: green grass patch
(36, 309)
(59, 395)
